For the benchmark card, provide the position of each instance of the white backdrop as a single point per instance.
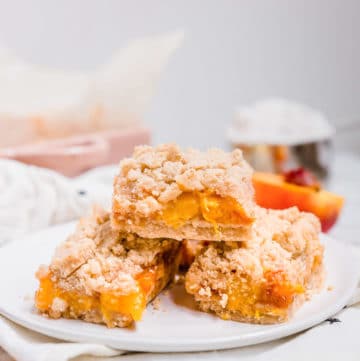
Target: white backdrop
(234, 52)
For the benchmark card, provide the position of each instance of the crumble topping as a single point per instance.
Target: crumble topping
(155, 176)
(97, 259)
(284, 245)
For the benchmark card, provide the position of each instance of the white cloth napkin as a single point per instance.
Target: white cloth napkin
(33, 198)
(39, 197)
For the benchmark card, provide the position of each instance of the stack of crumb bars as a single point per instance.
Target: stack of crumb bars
(244, 263)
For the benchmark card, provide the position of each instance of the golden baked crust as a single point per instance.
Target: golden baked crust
(103, 276)
(164, 191)
(266, 278)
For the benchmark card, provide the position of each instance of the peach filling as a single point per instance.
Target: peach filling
(107, 303)
(211, 207)
(275, 292)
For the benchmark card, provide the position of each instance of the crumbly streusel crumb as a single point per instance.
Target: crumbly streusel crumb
(285, 241)
(155, 176)
(96, 258)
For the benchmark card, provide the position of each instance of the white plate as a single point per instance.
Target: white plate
(176, 326)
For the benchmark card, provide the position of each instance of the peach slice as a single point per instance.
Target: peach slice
(280, 192)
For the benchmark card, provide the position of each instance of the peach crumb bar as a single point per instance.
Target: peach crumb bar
(164, 191)
(103, 276)
(265, 279)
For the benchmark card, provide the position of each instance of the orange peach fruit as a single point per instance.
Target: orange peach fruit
(272, 191)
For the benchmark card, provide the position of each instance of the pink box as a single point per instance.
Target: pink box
(73, 155)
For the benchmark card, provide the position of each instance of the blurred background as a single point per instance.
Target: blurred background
(78, 91)
(234, 52)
